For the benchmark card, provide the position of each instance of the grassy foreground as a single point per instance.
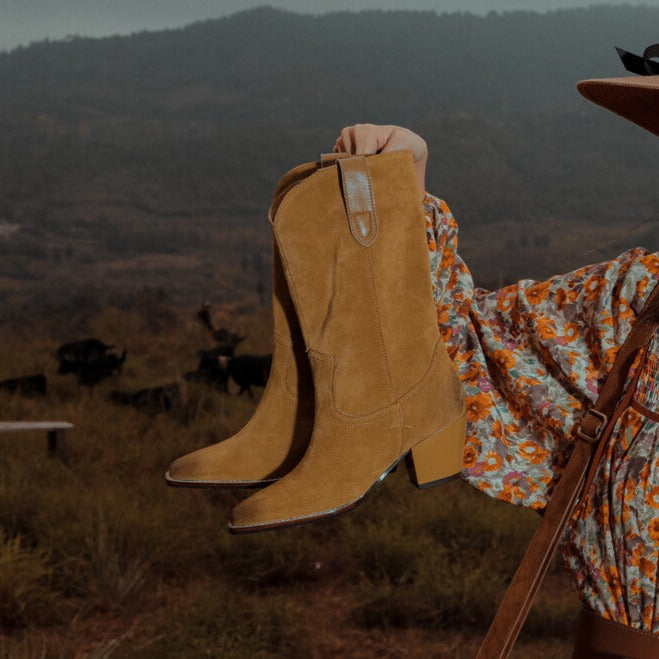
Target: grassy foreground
(99, 558)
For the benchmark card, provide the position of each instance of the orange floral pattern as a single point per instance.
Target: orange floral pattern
(532, 356)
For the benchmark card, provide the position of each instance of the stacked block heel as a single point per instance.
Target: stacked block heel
(439, 458)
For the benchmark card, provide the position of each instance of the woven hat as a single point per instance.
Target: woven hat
(635, 98)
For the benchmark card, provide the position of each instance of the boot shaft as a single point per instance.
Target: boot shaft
(368, 305)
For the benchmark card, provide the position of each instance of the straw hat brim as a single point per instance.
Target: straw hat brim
(635, 98)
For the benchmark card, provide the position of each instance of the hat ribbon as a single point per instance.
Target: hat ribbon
(644, 66)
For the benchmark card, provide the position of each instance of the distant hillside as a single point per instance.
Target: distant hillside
(512, 63)
(150, 159)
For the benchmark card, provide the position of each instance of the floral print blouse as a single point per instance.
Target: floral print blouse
(531, 356)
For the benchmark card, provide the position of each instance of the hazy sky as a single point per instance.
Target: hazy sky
(23, 21)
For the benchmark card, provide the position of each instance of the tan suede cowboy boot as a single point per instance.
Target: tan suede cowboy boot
(352, 242)
(276, 437)
(274, 440)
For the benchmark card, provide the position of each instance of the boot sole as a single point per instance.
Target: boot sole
(172, 482)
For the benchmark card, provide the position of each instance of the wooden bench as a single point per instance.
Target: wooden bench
(56, 432)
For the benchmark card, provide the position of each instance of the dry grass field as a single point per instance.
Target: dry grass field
(99, 558)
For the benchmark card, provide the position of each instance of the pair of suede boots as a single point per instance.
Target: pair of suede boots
(360, 376)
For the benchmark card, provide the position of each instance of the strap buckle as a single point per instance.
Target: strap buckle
(599, 428)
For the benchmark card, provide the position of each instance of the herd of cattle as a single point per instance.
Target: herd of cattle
(91, 361)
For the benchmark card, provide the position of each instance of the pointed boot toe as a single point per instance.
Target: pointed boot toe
(188, 468)
(258, 513)
(225, 464)
(271, 443)
(284, 504)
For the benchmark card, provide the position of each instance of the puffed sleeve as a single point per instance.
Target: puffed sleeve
(530, 356)
(452, 283)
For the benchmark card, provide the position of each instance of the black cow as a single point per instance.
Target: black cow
(92, 372)
(247, 370)
(85, 350)
(27, 385)
(152, 399)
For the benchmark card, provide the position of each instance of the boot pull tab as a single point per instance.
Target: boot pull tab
(358, 199)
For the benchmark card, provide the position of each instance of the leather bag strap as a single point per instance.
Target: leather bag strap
(592, 435)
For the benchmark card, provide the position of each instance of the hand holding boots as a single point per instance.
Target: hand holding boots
(367, 139)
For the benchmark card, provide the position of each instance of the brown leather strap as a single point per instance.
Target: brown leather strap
(598, 638)
(358, 199)
(592, 433)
